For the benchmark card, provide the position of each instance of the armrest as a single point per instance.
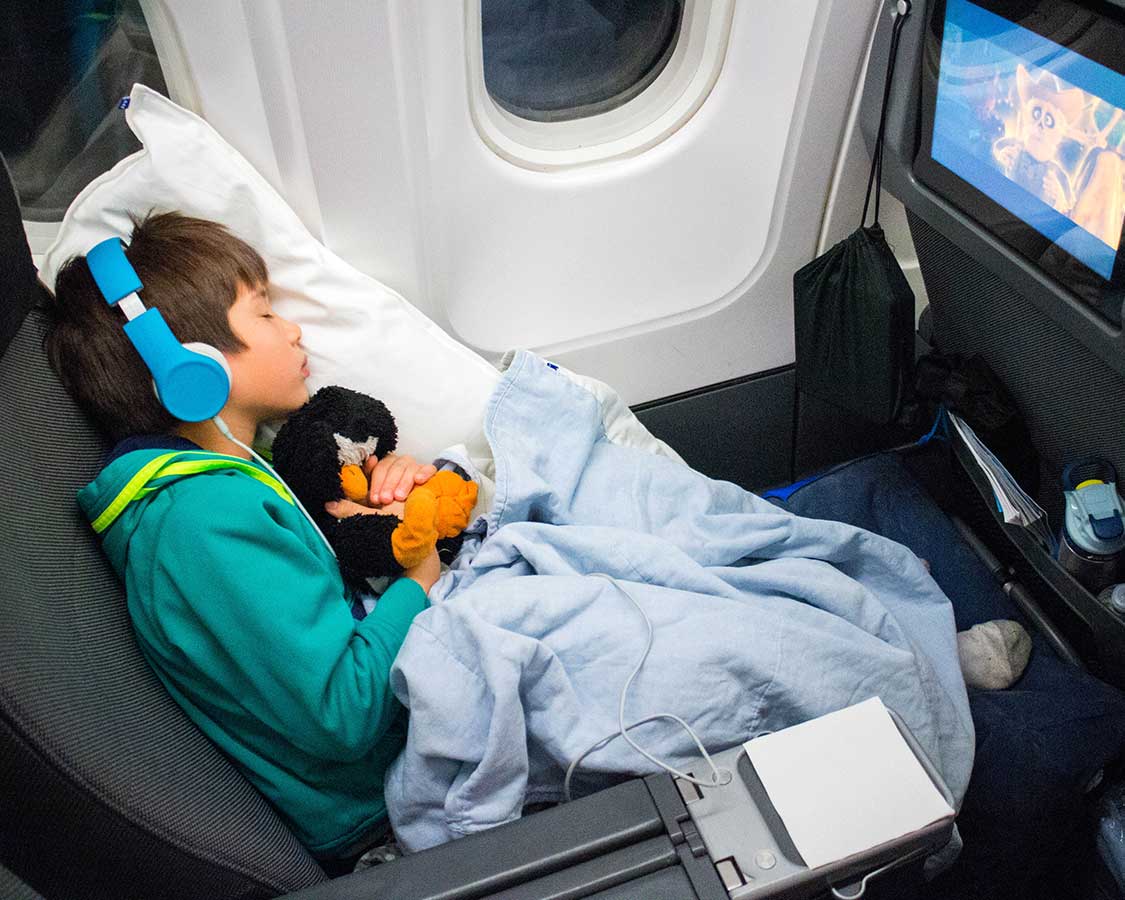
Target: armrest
(622, 818)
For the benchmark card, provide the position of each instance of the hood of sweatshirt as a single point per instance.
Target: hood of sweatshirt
(115, 501)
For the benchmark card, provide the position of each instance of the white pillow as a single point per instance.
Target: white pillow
(358, 333)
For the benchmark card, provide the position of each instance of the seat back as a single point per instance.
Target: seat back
(1073, 402)
(106, 787)
(1063, 364)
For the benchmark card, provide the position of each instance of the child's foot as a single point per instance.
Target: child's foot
(993, 654)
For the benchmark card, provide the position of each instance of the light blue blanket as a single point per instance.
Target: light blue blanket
(762, 619)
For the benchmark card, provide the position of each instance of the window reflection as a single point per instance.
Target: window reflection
(552, 60)
(64, 65)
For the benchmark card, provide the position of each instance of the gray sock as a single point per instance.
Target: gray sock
(993, 654)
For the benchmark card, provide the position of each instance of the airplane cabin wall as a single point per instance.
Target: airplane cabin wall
(659, 259)
(661, 272)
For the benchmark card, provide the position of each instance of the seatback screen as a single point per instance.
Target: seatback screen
(1027, 113)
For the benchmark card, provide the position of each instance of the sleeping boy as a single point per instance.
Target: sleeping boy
(235, 602)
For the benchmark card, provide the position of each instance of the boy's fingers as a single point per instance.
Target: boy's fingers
(371, 463)
(342, 509)
(407, 480)
(392, 483)
(377, 476)
(393, 477)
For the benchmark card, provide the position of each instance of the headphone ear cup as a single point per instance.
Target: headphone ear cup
(193, 381)
(207, 350)
(203, 350)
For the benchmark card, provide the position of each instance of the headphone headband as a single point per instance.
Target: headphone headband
(192, 385)
(112, 272)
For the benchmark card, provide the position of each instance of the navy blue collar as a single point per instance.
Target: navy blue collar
(150, 442)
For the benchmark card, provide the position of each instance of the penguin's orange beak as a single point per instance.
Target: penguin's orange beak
(354, 483)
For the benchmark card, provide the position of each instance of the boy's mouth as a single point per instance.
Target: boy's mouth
(305, 367)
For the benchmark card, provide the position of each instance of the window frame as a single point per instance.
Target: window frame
(642, 122)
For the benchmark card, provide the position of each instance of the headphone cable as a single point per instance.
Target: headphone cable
(226, 432)
(719, 776)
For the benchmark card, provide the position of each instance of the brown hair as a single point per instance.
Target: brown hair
(192, 271)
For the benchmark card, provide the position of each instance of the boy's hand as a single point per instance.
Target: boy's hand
(342, 509)
(394, 477)
(426, 572)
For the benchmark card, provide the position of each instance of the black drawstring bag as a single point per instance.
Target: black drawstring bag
(854, 310)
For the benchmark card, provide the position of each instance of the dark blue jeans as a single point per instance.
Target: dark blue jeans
(1039, 743)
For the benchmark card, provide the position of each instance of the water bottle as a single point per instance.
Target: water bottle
(1113, 599)
(1092, 543)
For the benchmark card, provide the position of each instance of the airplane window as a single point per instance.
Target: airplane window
(554, 60)
(64, 66)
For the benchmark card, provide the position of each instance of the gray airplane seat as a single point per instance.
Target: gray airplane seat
(1033, 287)
(1008, 276)
(106, 788)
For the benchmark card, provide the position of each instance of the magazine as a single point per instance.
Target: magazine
(1012, 502)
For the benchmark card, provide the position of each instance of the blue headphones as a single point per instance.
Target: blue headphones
(191, 380)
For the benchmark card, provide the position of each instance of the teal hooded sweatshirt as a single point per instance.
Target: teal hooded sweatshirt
(241, 611)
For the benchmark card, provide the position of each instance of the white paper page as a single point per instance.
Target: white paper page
(1003, 501)
(845, 782)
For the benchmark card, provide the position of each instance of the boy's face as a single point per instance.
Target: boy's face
(268, 377)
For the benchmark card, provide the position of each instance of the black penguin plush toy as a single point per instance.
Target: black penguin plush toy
(321, 452)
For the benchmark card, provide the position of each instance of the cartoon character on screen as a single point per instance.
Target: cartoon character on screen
(321, 450)
(1046, 113)
(1100, 186)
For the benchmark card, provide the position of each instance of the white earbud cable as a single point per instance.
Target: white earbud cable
(719, 776)
(226, 432)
